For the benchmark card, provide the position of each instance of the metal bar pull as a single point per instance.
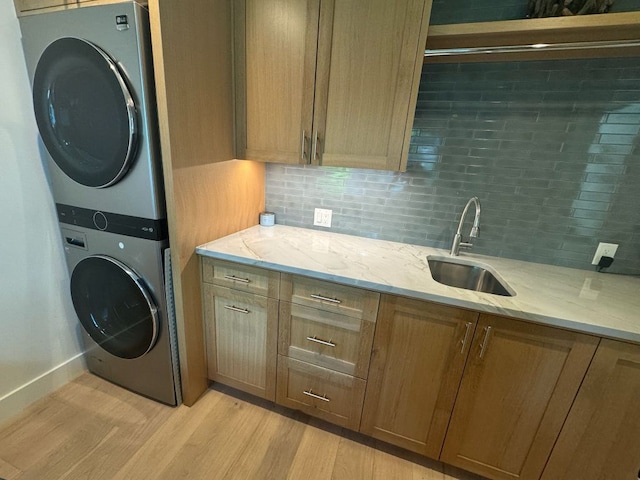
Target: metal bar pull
(237, 279)
(304, 146)
(325, 299)
(466, 336)
(322, 342)
(485, 341)
(313, 395)
(236, 309)
(314, 149)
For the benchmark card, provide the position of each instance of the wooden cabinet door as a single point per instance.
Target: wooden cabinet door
(275, 61)
(519, 383)
(241, 339)
(418, 357)
(370, 55)
(601, 437)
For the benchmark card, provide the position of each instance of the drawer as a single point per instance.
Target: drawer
(241, 277)
(241, 339)
(331, 396)
(326, 339)
(350, 301)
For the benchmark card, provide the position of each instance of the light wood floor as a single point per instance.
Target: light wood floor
(90, 429)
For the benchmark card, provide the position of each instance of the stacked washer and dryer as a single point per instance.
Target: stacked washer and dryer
(92, 82)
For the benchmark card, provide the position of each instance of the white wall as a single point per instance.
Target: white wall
(39, 346)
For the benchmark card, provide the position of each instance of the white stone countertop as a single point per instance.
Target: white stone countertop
(598, 303)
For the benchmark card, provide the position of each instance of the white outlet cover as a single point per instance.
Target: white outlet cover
(604, 250)
(322, 217)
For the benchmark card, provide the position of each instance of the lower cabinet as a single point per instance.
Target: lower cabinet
(601, 437)
(241, 339)
(500, 397)
(517, 388)
(418, 357)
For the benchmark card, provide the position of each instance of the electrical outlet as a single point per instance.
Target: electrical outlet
(604, 250)
(322, 217)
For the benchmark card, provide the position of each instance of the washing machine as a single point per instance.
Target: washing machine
(119, 291)
(92, 82)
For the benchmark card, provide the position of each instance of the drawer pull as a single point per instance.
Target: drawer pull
(466, 336)
(326, 299)
(236, 309)
(313, 395)
(485, 341)
(233, 278)
(321, 342)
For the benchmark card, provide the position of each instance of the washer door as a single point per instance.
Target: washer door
(85, 112)
(114, 306)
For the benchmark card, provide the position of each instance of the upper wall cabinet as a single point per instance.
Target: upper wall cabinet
(328, 82)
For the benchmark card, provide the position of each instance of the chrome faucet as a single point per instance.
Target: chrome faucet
(457, 239)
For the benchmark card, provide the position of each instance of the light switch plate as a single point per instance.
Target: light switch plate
(322, 217)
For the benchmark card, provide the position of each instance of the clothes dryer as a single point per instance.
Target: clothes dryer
(118, 290)
(92, 83)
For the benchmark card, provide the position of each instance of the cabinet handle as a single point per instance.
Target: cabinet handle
(485, 341)
(325, 299)
(314, 150)
(304, 146)
(313, 395)
(322, 342)
(233, 278)
(466, 336)
(236, 309)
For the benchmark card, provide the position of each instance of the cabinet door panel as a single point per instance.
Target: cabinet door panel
(276, 44)
(517, 388)
(601, 437)
(369, 61)
(241, 339)
(418, 357)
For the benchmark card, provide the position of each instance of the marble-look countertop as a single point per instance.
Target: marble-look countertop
(597, 303)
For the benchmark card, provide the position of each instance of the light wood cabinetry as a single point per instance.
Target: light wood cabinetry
(601, 436)
(240, 327)
(23, 6)
(418, 357)
(518, 386)
(330, 83)
(325, 336)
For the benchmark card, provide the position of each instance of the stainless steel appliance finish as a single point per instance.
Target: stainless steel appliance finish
(457, 239)
(92, 81)
(118, 291)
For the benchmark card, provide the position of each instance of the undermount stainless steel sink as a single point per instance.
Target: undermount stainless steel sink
(465, 274)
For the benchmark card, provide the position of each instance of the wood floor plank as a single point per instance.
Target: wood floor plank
(316, 454)
(91, 429)
(217, 442)
(8, 471)
(165, 444)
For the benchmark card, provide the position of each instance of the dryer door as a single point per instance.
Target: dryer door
(85, 112)
(114, 306)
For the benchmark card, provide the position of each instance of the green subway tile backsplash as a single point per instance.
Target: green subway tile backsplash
(551, 148)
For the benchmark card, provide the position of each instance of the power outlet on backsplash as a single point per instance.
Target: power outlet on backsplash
(322, 217)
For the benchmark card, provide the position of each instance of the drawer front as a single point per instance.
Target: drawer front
(241, 340)
(328, 296)
(241, 277)
(326, 339)
(331, 396)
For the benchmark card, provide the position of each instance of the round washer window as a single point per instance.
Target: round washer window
(114, 306)
(85, 112)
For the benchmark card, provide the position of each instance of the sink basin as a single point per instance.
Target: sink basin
(466, 274)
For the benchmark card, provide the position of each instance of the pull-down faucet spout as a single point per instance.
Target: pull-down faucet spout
(457, 239)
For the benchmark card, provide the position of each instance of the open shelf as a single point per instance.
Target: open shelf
(610, 27)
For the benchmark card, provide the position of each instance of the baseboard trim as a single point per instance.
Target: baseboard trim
(16, 401)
